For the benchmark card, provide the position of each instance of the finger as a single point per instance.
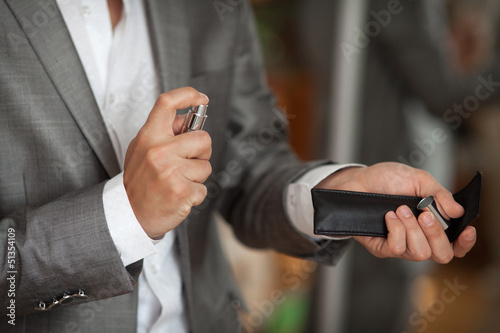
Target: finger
(395, 245)
(192, 195)
(418, 248)
(199, 193)
(392, 246)
(442, 250)
(465, 242)
(196, 170)
(426, 185)
(375, 245)
(178, 124)
(163, 114)
(174, 154)
(447, 205)
(197, 144)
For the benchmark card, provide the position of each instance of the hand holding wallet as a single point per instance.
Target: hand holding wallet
(348, 213)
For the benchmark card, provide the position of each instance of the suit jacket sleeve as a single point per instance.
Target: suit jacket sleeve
(62, 246)
(262, 161)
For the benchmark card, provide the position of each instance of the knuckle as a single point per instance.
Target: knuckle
(423, 175)
(205, 139)
(395, 244)
(168, 177)
(184, 210)
(153, 157)
(192, 92)
(181, 192)
(422, 255)
(208, 168)
(434, 233)
(203, 193)
(199, 195)
(398, 250)
(445, 258)
(150, 158)
(398, 229)
(163, 100)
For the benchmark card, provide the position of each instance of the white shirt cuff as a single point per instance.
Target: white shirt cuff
(130, 239)
(299, 200)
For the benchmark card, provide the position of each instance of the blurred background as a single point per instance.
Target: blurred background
(367, 81)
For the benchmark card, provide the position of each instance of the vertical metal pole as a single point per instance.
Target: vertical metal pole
(342, 138)
(347, 82)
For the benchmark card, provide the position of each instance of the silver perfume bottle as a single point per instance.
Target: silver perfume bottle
(195, 119)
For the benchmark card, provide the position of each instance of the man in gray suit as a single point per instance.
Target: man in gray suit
(67, 241)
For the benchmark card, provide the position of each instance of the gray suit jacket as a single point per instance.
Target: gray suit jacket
(56, 157)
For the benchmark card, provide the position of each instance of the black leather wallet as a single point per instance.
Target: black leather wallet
(347, 213)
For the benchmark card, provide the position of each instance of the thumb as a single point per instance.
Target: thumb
(448, 206)
(162, 117)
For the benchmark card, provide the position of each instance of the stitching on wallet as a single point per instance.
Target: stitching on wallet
(353, 233)
(367, 194)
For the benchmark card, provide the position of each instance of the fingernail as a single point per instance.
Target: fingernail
(427, 219)
(471, 236)
(204, 95)
(405, 211)
(392, 215)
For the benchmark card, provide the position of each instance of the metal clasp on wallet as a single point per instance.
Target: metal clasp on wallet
(429, 203)
(195, 119)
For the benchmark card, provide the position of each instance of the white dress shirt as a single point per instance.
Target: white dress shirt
(120, 68)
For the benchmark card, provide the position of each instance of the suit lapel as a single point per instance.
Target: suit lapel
(171, 42)
(47, 33)
(172, 50)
